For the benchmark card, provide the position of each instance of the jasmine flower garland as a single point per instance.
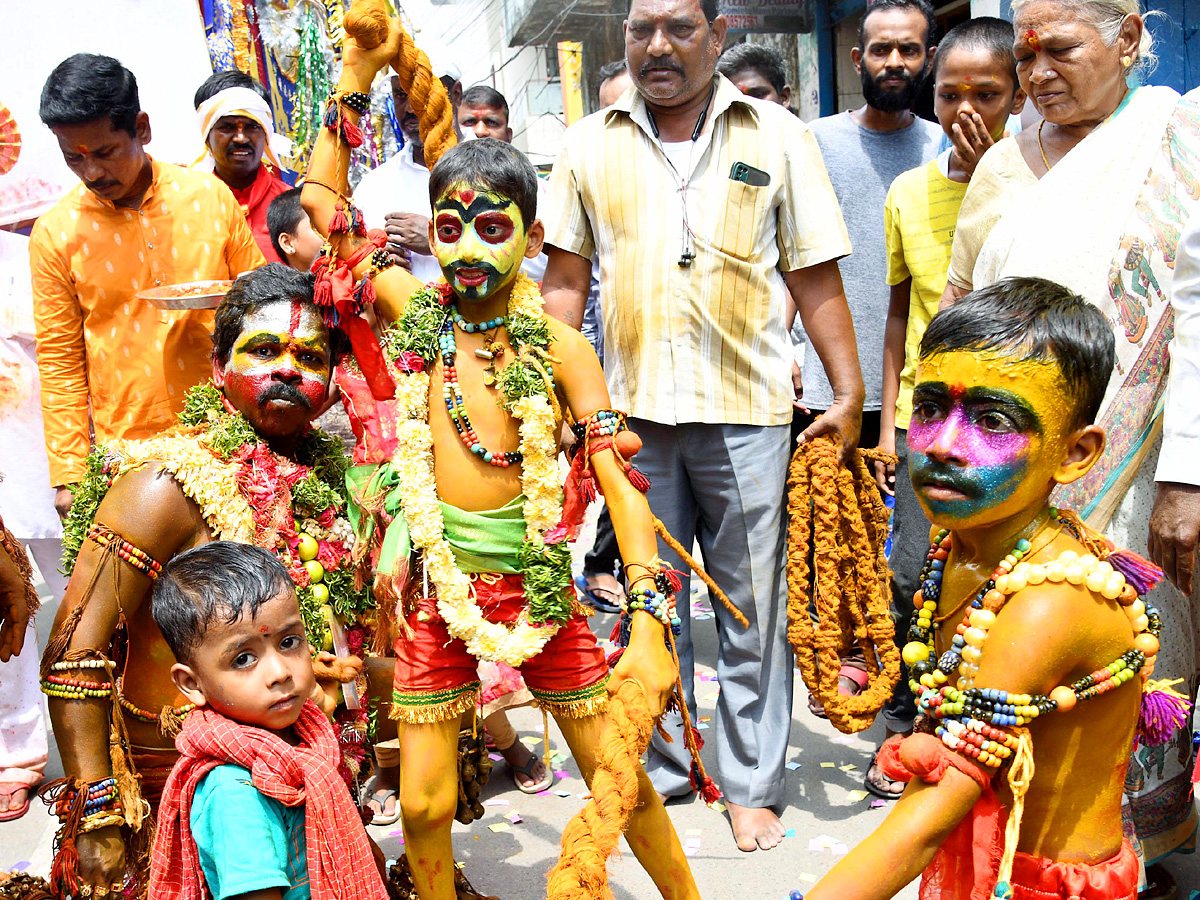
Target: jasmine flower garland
(525, 392)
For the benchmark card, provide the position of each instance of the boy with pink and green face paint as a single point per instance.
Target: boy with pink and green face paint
(1023, 612)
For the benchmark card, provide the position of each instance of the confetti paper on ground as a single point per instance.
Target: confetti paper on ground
(495, 757)
(703, 726)
(718, 806)
(877, 803)
(693, 832)
(514, 817)
(804, 876)
(791, 832)
(856, 796)
(842, 739)
(793, 766)
(827, 765)
(499, 826)
(561, 773)
(496, 801)
(562, 793)
(849, 767)
(712, 698)
(531, 741)
(840, 849)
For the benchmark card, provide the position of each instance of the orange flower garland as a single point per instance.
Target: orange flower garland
(837, 516)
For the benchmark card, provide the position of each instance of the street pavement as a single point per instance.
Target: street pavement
(510, 850)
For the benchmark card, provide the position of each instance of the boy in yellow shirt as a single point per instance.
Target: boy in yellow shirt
(975, 91)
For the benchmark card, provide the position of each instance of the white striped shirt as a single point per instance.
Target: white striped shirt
(706, 342)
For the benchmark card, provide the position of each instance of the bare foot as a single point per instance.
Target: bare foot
(754, 828)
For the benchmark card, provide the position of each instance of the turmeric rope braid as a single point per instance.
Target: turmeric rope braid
(837, 518)
(366, 22)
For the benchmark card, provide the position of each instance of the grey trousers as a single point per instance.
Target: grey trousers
(724, 485)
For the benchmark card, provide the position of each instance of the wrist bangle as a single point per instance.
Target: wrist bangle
(355, 101)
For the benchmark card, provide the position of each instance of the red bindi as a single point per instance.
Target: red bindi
(262, 629)
(467, 196)
(957, 391)
(1033, 40)
(295, 322)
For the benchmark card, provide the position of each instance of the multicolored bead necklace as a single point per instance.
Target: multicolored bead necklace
(970, 717)
(453, 397)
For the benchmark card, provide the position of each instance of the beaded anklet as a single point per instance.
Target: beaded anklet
(135, 556)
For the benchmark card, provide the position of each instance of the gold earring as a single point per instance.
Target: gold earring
(1126, 61)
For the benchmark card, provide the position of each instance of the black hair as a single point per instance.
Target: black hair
(269, 284)
(1033, 318)
(609, 71)
(228, 78)
(761, 58)
(485, 95)
(708, 7)
(492, 164)
(283, 216)
(86, 87)
(982, 33)
(924, 7)
(221, 578)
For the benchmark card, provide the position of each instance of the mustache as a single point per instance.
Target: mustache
(99, 185)
(459, 265)
(278, 390)
(932, 472)
(645, 68)
(904, 75)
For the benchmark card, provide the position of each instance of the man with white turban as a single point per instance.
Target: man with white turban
(241, 147)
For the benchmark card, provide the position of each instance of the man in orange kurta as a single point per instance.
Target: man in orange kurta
(132, 224)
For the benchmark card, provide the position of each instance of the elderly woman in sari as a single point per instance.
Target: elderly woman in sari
(1095, 197)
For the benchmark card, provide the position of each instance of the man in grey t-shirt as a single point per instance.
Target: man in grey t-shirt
(864, 150)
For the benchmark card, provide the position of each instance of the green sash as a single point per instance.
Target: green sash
(483, 541)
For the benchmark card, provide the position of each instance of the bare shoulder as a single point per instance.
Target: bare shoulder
(148, 508)
(569, 345)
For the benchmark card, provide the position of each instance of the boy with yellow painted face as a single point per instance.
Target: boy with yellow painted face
(1029, 645)
(474, 554)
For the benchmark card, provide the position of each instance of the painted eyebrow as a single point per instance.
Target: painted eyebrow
(480, 204)
(983, 396)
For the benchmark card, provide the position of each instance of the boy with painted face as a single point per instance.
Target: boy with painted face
(1029, 644)
(475, 558)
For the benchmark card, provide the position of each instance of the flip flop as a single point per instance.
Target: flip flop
(381, 797)
(874, 788)
(527, 771)
(599, 601)
(849, 671)
(7, 789)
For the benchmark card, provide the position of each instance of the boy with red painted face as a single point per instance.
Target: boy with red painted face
(475, 500)
(1030, 644)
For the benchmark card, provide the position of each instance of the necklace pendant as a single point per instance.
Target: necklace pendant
(489, 376)
(483, 353)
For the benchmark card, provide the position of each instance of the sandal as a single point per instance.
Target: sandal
(874, 788)
(852, 671)
(602, 599)
(527, 771)
(381, 797)
(7, 789)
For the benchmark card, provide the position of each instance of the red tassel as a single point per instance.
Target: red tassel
(323, 290)
(615, 657)
(637, 479)
(352, 133)
(587, 487)
(339, 224)
(364, 296)
(709, 792)
(674, 579)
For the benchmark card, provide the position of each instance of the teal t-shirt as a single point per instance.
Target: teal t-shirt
(247, 842)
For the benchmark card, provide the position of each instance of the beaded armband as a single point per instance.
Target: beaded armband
(602, 423)
(355, 101)
(99, 798)
(136, 557)
(661, 606)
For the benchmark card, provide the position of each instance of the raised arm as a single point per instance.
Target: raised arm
(327, 180)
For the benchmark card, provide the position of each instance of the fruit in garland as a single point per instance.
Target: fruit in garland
(315, 570)
(320, 593)
(307, 548)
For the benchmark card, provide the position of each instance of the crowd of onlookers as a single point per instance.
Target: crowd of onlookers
(748, 280)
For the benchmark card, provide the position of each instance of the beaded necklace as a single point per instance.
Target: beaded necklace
(969, 717)
(452, 393)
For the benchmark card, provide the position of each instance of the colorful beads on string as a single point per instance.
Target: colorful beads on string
(78, 664)
(75, 689)
(456, 406)
(144, 714)
(661, 606)
(136, 557)
(476, 328)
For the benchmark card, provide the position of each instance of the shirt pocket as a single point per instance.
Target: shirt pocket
(740, 222)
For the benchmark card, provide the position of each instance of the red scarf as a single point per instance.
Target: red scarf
(340, 864)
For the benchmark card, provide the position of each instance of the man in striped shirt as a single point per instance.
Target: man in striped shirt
(702, 204)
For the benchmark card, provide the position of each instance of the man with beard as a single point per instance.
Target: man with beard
(706, 207)
(234, 115)
(133, 223)
(246, 468)
(395, 196)
(864, 150)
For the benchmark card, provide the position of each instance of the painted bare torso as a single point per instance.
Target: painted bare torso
(1072, 808)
